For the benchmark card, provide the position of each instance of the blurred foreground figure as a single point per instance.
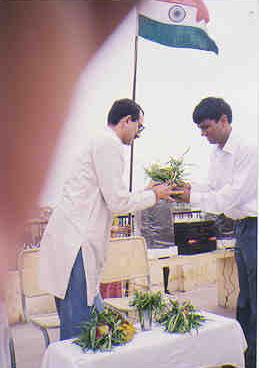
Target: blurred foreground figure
(44, 46)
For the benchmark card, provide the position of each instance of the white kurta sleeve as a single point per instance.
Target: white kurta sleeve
(109, 165)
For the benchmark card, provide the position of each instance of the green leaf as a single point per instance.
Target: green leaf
(180, 318)
(173, 171)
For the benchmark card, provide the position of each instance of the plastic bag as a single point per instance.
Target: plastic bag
(155, 224)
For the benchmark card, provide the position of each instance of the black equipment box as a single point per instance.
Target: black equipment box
(195, 237)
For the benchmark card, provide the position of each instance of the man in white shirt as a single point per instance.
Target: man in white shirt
(74, 244)
(232, 190)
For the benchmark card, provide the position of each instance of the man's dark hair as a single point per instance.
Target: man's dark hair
(211, 108)
(122, 108)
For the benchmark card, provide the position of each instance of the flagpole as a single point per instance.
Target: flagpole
(134, 99)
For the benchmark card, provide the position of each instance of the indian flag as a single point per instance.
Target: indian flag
(175, 23)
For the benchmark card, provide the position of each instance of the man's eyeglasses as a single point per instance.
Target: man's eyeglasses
(140, 128)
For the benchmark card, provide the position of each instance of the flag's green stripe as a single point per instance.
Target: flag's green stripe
(175, 35)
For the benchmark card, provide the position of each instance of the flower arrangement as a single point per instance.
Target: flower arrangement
(147, 300)
(173, 171)
(109, 328)
(105, 330)
(147, 304)
(180, 318)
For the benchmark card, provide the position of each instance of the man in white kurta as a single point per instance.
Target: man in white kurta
(80, 224)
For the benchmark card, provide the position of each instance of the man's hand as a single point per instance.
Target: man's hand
(162, 191)
(152, 184)
(183, 192)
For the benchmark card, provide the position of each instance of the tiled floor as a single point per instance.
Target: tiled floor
(29, 342)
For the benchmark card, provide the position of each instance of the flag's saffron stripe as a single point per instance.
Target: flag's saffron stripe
(175, 35)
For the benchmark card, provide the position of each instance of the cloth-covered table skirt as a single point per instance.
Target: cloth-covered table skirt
(219, 341)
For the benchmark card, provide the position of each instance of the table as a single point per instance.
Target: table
(190, 271)
(227, 280)
(219, 341)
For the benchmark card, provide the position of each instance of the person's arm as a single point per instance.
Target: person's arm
(109, 165)
(242, 190)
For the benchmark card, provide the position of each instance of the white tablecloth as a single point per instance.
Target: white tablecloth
(219, 341)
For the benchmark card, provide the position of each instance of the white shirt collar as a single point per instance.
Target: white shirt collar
(230, 143)
(113, 133)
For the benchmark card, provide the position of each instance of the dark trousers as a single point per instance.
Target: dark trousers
(74, 310)
(246, 259)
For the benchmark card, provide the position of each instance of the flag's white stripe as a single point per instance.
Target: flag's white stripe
(159, 11)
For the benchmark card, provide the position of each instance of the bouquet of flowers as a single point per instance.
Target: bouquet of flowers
(147, 303)
(173, 171)
(104, 330)
(180, 318)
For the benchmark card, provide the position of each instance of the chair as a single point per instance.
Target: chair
(38, 306)
(126, 262)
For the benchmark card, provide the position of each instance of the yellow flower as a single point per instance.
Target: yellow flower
(128, 330)
(101, 330)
